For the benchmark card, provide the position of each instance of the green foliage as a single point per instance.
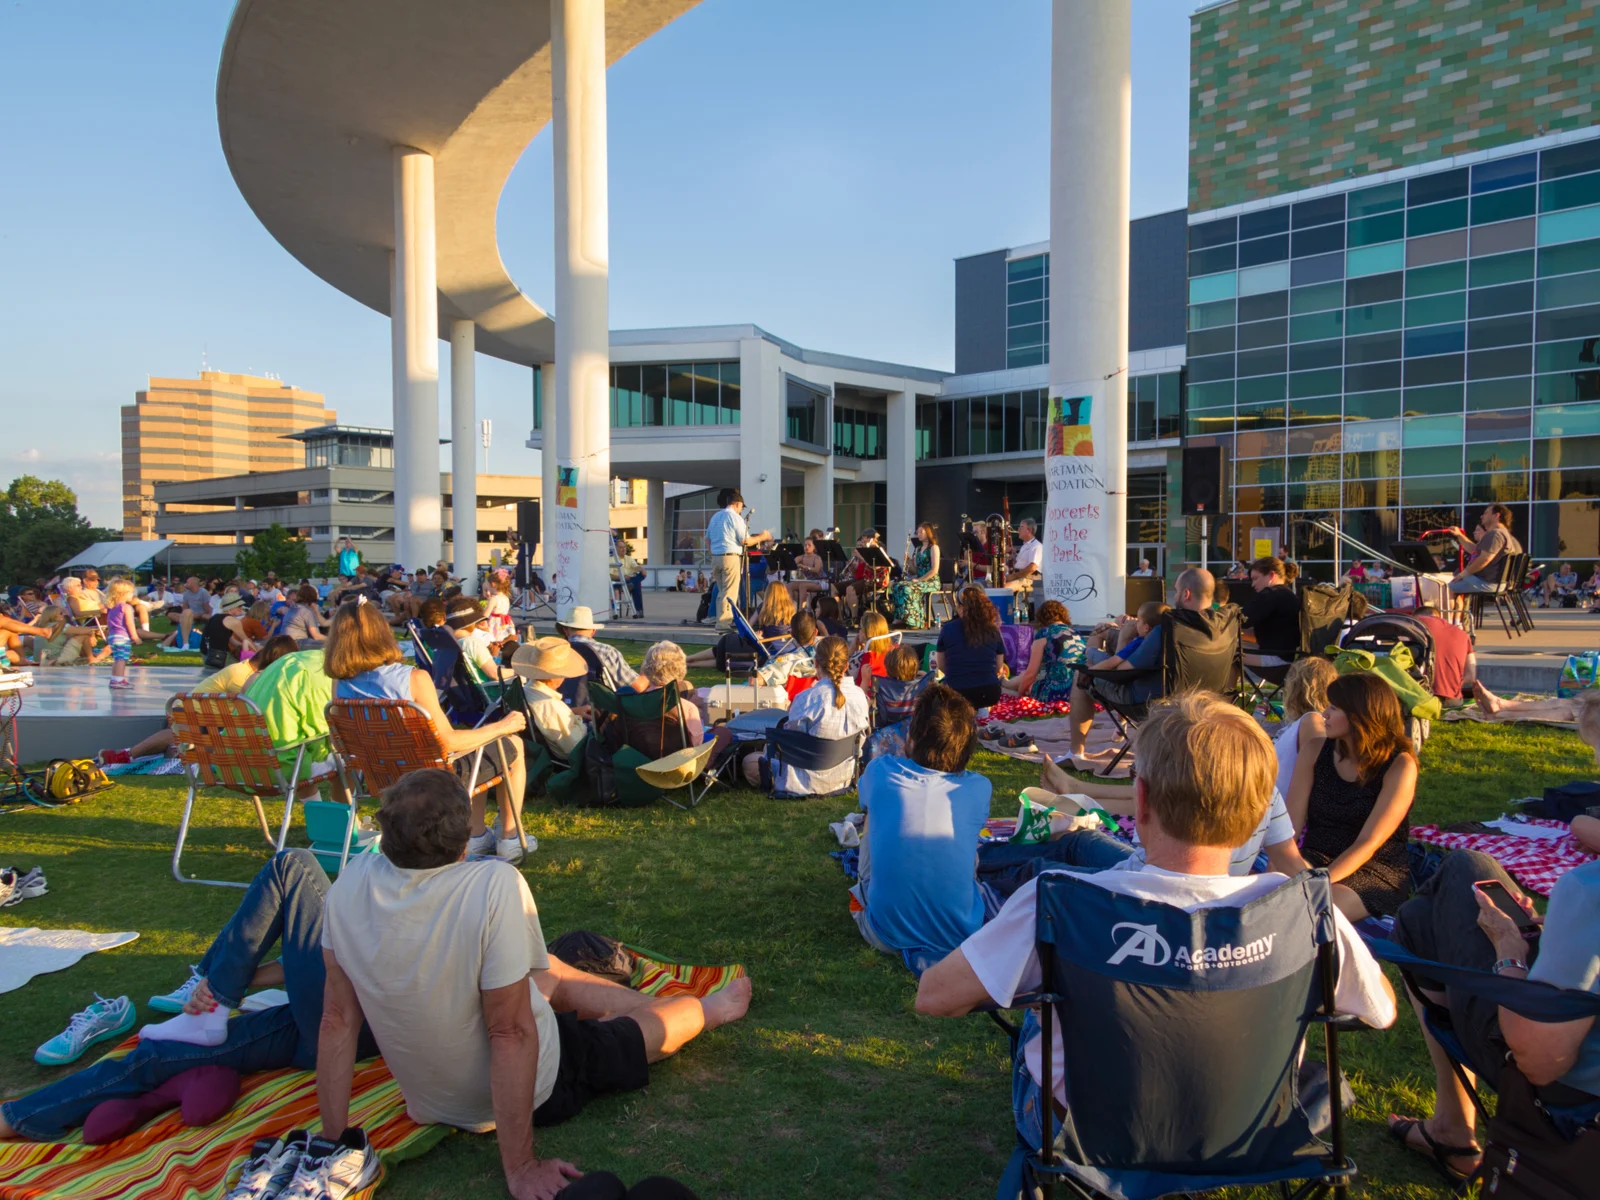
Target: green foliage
(41, 528)
(274, 549)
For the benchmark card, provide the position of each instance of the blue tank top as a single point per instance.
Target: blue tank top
(390, 682)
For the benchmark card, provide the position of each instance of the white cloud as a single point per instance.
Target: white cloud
(30, 455)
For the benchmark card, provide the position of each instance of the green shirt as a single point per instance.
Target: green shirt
(293, 694)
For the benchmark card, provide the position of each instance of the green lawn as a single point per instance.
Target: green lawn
(832, 1086)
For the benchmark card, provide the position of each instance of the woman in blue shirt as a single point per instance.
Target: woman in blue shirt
(970, 651)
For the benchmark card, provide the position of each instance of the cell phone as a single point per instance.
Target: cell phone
(1502, 899)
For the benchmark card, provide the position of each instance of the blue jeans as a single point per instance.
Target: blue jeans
(1006, 868)
(282, 905)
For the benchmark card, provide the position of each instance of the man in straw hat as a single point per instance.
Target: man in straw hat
(541, 664)
(614, 671)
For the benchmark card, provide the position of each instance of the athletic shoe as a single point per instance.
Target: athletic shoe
(272, 1164)
(174, 1000)
(332, 1170)
(100, 1022)
(482, 843)
(108, 758)
(510, 849)
(26, 887)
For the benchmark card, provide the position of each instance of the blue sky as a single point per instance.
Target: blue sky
(810, 167)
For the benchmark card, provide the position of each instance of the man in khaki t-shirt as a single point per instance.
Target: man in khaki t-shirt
(445, 960)
(1485, 569)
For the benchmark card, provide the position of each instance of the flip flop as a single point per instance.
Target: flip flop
(1436, 1152)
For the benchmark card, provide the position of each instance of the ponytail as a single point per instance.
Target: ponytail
(833, 659)
(1272, 565)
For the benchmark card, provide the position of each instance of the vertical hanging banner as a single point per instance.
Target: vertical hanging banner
(569, 540)
(1081, 552)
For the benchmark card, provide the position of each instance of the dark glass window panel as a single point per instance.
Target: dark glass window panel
(1565, 484)
(1440, 248)
(1442, 277)
(629, 397)
(1507, 298)
(1576, 192)
(1025, 335)
(730, 393)
(1260, 445)
(1218, 258)
(1431, 491)
(1502, 268)
(1263, 416)
(1375, 289)
(1500, 331)
(1263, 388)
(1315, 383)
(654, 385)
(1314, 410)
(1433, 460)
(1313, 468)
(1313, 327)
(1372, 464)
(1321, 240)
(1030, 313)
(1503, 206)
(1031, 267)
(1436, 218)
(1168, 403)
(1270, 361)
(1272, 333)
(1447, 368)
(1374, 347)
(1502, 487)
(1570, 160)
(1440, 185)
(1383, 198)
(1264, 221)
(1503, 237)
(1564, 291)
(1215, 366)
(1432, 401)
(1208, 422)
(1259, 308)
(1316, 299)
(963, 443)
(1513, 425)
(1213, 233)
(1263, 250)
(1574, 256)
(1505, 173)
(1497, 393)
(1371, 377)
(1436, 339)
(1576, 355)
(680, 394)
(1321, 439)
(1565, 323)
(1435, 310)
(1566, 452)
(1025, 289)
(1211, 341)
(1208, 316)
(1371, 231)
(1371, 406)
(1210, 395)
(1319, 270)
(1318, 212)
(1307, 356)
(1491, 364)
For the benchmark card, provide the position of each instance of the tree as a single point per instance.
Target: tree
(277, 550)
(41, 528)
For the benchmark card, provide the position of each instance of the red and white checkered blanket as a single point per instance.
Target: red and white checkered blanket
(1535, 863)
(1020, 708)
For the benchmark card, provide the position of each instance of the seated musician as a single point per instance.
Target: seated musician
(861, 580)
(978, 553)
(1027, 564)
(811, 574)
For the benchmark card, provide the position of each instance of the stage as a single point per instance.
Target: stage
(69, 712)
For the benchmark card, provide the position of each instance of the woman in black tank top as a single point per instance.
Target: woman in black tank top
(1352, 793)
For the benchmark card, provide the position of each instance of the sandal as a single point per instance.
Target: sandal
(1439, 1154)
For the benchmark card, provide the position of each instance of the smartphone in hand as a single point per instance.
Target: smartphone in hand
(1502, 899)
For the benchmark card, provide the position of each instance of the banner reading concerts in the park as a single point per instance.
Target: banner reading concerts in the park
(569, 540)
(1083, 544)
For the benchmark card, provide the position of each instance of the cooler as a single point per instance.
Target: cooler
(1002, 599)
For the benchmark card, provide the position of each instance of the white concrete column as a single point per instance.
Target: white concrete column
(819, 499)
(547, 464)
(414, 321)
(658, 547)
(464, 452)
(900, 466)
(1086, 457)
(761, 423)
(583, 338)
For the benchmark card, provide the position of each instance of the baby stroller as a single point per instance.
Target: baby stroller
(1380, 633)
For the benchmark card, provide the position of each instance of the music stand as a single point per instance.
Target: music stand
(1416, 557)
(780, 558)
(832, 554)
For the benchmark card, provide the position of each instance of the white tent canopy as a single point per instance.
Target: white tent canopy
(135, 556)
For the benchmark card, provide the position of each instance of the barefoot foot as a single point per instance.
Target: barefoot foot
(728, 1004)
(1487, 700)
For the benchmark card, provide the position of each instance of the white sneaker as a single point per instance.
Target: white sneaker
(510, 849)
(270, 1167)
(482, 843)
(332, 1170)
(174, 1000)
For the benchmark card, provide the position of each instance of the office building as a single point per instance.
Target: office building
(219, 424)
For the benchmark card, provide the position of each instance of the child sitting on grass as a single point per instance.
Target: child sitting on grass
(122, 631)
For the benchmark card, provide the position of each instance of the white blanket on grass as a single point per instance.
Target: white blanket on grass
(25, 953)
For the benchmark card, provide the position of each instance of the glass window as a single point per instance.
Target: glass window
(1503, 206)
(1265, 333)
(707, 380)
(1567, 484)
(1314, 299)
(1262, 388)
(1308, 356)
(1564, 260)
(1369, 231)
(680, 394)
(1505, 173)
(653, 384)
(1502, 268)
(1565, 290)
(1218, 258)
(1570, 160)
(1509, 360)
(1314, 410)
(1264, 250)
(1385, 198)
(1168, 403)
(1375, 290)
(1255, 281)
(1506, 298)
(1511, 425)
(1030, 356)
(1374, 347)
(1370, 406)
(730, 393)
(1210, 395)
(1503, 237)
(1321, 439)
(1435, 339)
(1209, 316)
(1432, 310)
(1033, 420)
(1025, 289)
(1269, 361)
(1556, 453)
(1213, 233)
(1031, 313)
(1432, 491)
(1441, 185)
(1435, 218)
(1567, 421)
(1315, 326)
(1372, 464)
(1264, 221)
(1445, 368)
(1506, 487)
(1497, 393)
(1025, 335)
(1032, 267)
(1563, 323)
(1317, 212)
(627, 396)
(1433, 460)
(1439, 398)
(1368, 436)
(1444, 277)
(1441, 247)
(1570, 226)
(1213, 367)
(1324, 238)
(1211, 341)
(1375, 260)
(1566, 387)
(1372, 377)
(1206, 288)
(1261, 307)
(1315, 383)
(1013, 425)
(1319, 269)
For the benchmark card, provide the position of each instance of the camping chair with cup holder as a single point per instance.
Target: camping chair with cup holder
(1162, 1094)
(893, 699)
(223, 742)
(1200, 651)
(651, 753)
(462, 693)
(380, 741)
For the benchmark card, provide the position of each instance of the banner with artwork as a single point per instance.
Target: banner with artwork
(1083, 538)
(569, 540)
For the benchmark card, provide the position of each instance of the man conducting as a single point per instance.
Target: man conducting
(727, 538)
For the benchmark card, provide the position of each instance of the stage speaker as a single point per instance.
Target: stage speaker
(1202, 481)
(1141, 589)
(528, 523)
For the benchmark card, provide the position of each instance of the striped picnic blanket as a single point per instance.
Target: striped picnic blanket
(168, 1160)
(657, 976)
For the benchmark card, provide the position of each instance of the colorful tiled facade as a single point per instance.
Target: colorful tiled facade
(1290, 94)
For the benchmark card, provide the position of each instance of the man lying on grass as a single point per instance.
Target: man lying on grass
(445, 961)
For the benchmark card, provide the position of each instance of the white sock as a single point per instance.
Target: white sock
(200, 1029)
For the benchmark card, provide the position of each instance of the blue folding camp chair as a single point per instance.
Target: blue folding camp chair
(747, 631)
(1179, 1036)
(461, 694)
(791, 748)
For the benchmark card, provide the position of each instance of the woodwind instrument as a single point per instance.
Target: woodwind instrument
(1003, 555)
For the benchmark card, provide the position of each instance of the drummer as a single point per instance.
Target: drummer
(810, 581)
(1027, 564)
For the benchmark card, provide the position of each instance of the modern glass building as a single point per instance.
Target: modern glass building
(1394, 283)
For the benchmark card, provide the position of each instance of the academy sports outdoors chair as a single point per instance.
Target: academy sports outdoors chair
(1179, 1036)
(223, 742)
